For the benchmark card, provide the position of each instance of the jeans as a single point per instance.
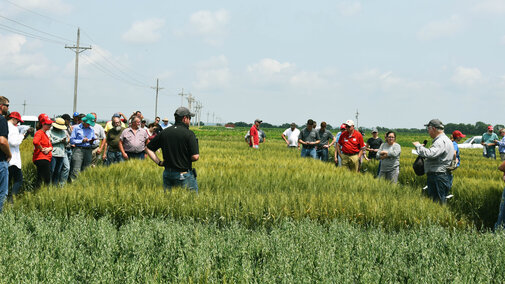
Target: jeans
(309, 153)
(490, 152)
(81, 159)
(56, 167)
(65, 169)
(439, 185)
(501, 215)
(322, 154)
(4, 182)
(113, 157)
(16, 178)
(140, 155)
(172, 178)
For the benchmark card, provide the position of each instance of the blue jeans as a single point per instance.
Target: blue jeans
(501, 215)
(113, 157)
(322, 154)
(140, 155)
(56, 167)
(16, 177)
(4, 182)
(439, 186)
(65, 169)
(187, 180)
(490, 152)
(309, 152)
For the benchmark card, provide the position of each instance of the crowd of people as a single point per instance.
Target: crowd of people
(65, 146)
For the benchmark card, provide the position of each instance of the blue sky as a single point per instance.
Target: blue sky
(400, 63)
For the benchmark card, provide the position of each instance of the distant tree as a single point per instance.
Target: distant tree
(267, 125)
(242, 124)
(498, 127)
(285, 125)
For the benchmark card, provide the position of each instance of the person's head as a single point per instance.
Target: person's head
(390, 137)
(490, 129)
(314, 124)
(183, 115)
(349, 126)
(67, 118)
(157, 120)
(310, 124)
(258, 122)
(435, 127)
(502, 132)
(139, 114)
(342, 127)
(75, 116)
(135, 123)
(59, 124)
(88, 120)
(293, 126)
(80, 117)
(457, 135)
(46, 123)
(143, 123)
(323, 125)
(151, 126)
(116, 123)
(4, 105)
(375, 133)
(15, 117)
(165, 121)
(94, 114)
(116, 115)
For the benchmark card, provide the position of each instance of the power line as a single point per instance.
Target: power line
(39, 14)
(104, 69)
(32, 28)
(27, 34)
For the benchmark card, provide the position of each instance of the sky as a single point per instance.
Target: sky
(397, 63)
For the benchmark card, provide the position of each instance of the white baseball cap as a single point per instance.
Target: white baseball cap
(349, 122)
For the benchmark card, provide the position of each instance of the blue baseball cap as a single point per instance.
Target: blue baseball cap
(76, 114)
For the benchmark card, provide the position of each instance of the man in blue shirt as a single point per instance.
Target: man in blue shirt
(82, 138)
(488, 141)
(501, 144)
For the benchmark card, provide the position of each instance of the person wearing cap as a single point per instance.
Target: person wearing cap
(500, 223)
(5, 153)
(180, 149)
(15, 139)
(501, 144)
(65, 169)
(324, 143)
(438, 159)
(290, 136)
(111, 152)
(76, 118)
(309, 138)
(254, 139)
(109, 125)
(456, 138)
(351, 147)
(98, 143)
(488, 141)
(389, 154)
(133, 141)
(337, 137)
(165, 123)
(82, 138)
(373, 143)
(42, 153)
(59, 139)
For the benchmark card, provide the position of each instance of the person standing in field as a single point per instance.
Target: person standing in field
(501, 144)
(59, 140)
(290, 136)
(15, 139)
(5, 152)
(342, 129)
(309, 138)
(373, 143)
(179, 147)
(42, 153)
(82, 139)
(438, 159)
(98, 143)
(65, 170)
(109, 125)
(133, 141)
(456, 138)
(352, 146)
(165, 123)
(254, 139)
(500, 223)
(389, 154)
(488, 141)
(111, 152)
(324, 143)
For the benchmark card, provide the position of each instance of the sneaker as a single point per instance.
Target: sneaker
(449, 196)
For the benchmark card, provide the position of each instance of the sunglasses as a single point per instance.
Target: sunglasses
(7, 105)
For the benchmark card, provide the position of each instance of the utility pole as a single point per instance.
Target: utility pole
(357, 115)
(208, 118)
(182, 95)
(24, 107)
(214, 118)
(77, 49)
(198, 109)
(156, 104)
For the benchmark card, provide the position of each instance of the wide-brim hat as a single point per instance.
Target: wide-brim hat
(89, 119)
(59, 123)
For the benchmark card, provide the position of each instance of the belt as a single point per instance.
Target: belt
(177, 170)
(350, 154)
(438, 173)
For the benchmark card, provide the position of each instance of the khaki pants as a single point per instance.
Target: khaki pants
(350, 161)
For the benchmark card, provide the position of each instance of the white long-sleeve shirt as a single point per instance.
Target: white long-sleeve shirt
(15, 139)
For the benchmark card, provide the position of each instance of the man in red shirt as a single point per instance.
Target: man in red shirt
(351, 142)
(254, 140)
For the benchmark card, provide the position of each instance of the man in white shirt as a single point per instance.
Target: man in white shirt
(290, 135)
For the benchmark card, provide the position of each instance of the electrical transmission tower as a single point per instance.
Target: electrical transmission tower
(77, 49)
(182, 94)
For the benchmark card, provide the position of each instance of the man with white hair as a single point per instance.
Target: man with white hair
(352, 145)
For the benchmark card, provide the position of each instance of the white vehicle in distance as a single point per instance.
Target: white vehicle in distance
(471, 143)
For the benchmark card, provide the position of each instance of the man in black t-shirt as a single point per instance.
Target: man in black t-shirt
(5, 152)
(180, 148)
(373, 144)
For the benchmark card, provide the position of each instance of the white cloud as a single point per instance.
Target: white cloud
(490, 7)
(19, 62)
(467, 76)
(349, 8)
(211, 26)
(52, 6)
(268, 66)
(441, 28)
(146, 31)
(213, 73)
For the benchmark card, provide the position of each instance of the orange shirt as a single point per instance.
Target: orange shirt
(41, 139)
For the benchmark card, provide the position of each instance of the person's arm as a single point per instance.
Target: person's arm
(502, 167)
(332, 141)
(435, 150)
(395, 151)
(4, 147)
(195, 157)
(15, 139)
(121, 148)
(285, 139)
(104, 148)
(154, 157)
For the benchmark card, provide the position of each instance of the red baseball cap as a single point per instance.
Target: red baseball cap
(342, 126)
(42, 116)
(16, 115)
(457, 133)
(490, 127)
(46, 120)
